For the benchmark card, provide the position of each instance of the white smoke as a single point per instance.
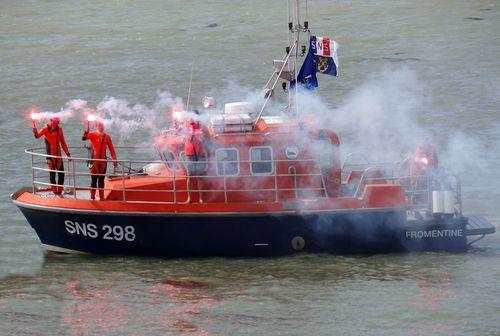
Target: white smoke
(464, 154)
(71, 108)
(384, 120)
(127, 118)
(380, 118)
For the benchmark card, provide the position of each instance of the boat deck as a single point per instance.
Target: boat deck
(78, 194)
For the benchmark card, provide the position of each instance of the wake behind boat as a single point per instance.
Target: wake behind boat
(243, 183)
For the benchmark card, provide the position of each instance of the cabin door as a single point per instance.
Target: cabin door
(329, 163)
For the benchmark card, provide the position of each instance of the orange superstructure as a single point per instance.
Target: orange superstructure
(280, 159)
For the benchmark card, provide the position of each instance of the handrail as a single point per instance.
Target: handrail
(361, 180)
(294, 46)
(411, 183)
(293, 172)
(75, 158)
(76, 173)
(273, 182)
(367, 163)
(351, 154)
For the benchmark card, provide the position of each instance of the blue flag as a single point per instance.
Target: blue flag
(307, 73)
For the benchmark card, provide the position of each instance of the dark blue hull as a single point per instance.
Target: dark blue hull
(264, 234)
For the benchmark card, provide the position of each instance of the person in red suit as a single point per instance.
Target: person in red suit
(100, 142)
(425, 160)
(196, 157)
(424, 171)
(54, 141)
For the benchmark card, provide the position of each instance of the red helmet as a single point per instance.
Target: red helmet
(100, 126)
(54, 122)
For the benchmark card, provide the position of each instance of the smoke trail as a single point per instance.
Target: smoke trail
(379, 118)
(71, 108)
(464, 154)
(382, 118)
(127, 118)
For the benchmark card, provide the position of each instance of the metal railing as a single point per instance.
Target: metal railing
(286, 184)
(78, 178)
(418, 189)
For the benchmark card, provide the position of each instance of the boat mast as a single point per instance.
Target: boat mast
(292, 50)
(296, 31)
(289, 68)
(295, 28)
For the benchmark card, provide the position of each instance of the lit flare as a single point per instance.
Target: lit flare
(208, 102)
(34, 114)
(34, 118)
(177, 115)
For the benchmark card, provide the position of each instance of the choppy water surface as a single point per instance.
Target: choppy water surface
(446, 51)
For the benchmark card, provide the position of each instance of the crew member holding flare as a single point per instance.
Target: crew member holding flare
(100, 142)
(54, 140)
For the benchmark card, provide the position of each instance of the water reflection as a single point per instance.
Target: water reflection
(120, 301)
(435, 286)
(91, 307)
(202, 296)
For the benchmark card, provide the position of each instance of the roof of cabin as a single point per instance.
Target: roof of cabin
(268, 128)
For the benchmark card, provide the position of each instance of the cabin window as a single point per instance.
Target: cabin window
(261, 160)
(170, 159)
(227, 161)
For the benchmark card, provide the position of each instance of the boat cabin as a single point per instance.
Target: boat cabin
(242, 159)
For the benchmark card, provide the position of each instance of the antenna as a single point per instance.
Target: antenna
(190, 82)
